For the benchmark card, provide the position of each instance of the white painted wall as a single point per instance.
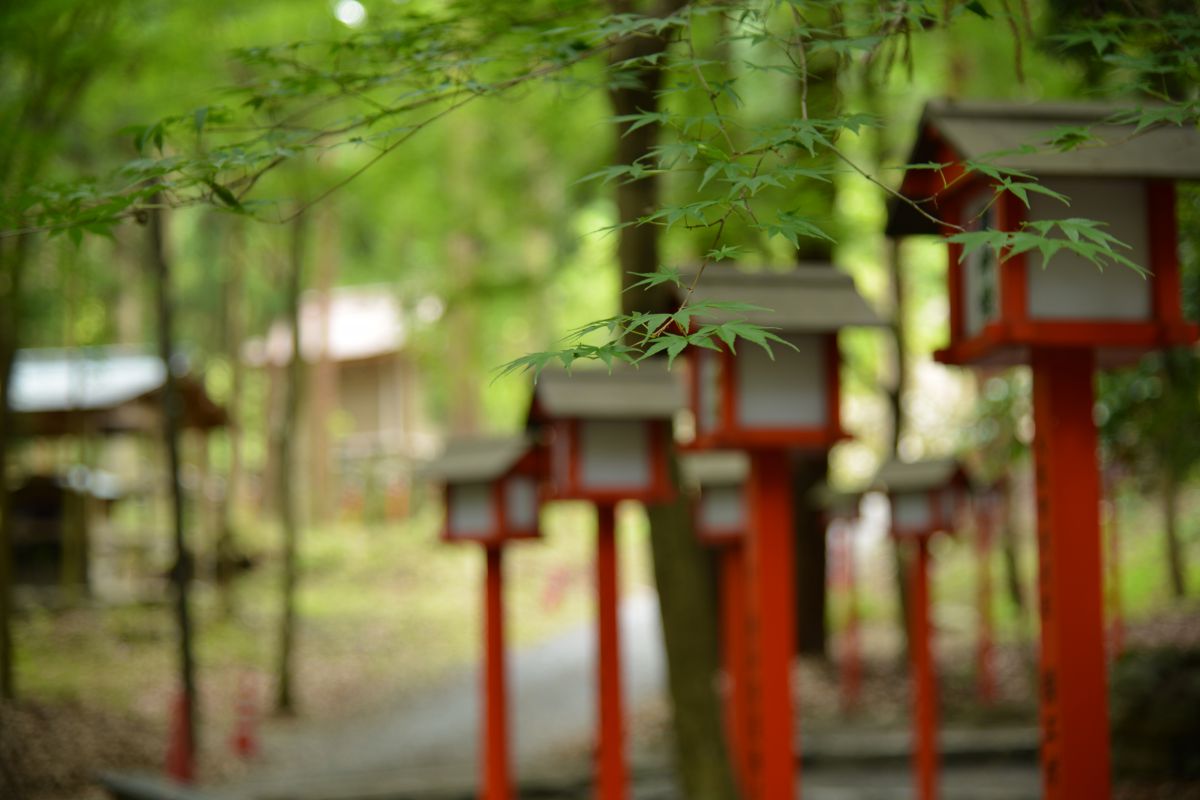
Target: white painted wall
(614, 454)
(788, 392)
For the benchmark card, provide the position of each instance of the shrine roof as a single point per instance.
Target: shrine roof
(808, 298)
(647, 391)
(469, 460)
(1019, 135)
(715, 467)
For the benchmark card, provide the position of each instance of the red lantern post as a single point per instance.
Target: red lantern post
(606, 436)
(772, 405)
(490, 495)
(720, 520)
(989, 507)
(1063, 320)
(841, 512)
(925, 497)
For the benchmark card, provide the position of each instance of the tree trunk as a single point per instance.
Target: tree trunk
(231, 333)
(13, 255)
(285, 428)
(681, 566)
(172, 409)
(323, 387)
(808, 471)
(1176, 566)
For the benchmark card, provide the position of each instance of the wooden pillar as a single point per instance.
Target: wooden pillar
(734, 658)
(985, 666)
(924, 678)
(496, 781)
(611, 774)
(771, 613)
(1072, 687)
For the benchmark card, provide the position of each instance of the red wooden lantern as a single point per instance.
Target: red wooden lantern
(841, 510)
(1063, 320)
(491, 497)
(490, 490)
(719, 478)
(998, 311)
(750, 399)
(926, 497)
(606, 434)
(770, 407)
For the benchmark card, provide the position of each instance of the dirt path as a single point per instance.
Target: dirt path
(433, 740)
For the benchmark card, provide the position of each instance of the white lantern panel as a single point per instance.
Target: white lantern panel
(722, 510)
(708, 379)
(981, 269)
(614, 455)
(472, 514)
(520, 503)
(911, 512)
(1070, 287)
(787, 392)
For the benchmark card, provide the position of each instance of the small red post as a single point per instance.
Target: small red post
(244, 742)
(771, 613)
(1073, 691)
(925, 711)
(985, 666)
(496, 781)
(1116, 633)
(851, 682)
(611, 774)
(734, 658)
(181, 763)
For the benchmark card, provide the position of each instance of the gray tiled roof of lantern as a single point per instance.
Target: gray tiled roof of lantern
(1021, 131)
(807, 298)
(465, 460)
(918, 476)
(647, 391)
(714, 467)
(836, 500)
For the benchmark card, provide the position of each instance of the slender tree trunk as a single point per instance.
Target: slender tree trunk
(13, 254)
(172, 414)
(231, 332)
(285, 702)
(323, 380)
(1176, 567)
(681, 566)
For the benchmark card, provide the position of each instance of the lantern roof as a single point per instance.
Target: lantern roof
(477, 459)
(1022, 132)
(807, 298)
(715, 467)
(643, 392)
(835, 500)
(919, 476)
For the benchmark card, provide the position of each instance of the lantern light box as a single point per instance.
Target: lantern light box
(925, 495)
(491, 489)
(719, 476)
(999, 310)
(790, 400)
(606, 434)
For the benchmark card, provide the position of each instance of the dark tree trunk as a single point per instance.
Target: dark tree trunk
(1176, 567)
(172, 409)
(13, 254)
(808, 472)
(285, 428)
(681, 567)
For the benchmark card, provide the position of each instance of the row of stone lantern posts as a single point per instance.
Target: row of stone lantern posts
(606, 437)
